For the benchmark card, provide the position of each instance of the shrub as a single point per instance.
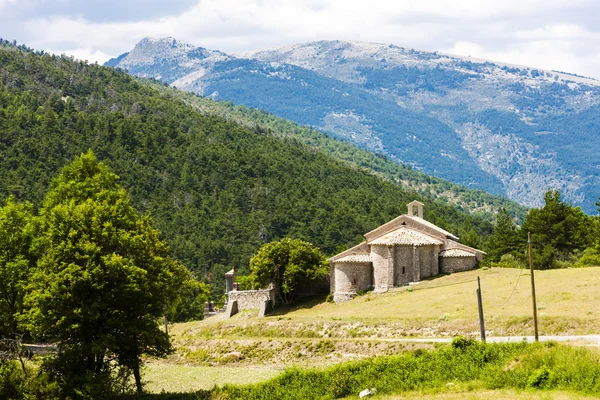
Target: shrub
(589, 258)
(509, 261)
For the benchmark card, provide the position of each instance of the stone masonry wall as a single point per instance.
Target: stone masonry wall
(379, 255)
(404, 265)
(457, 264)
(351, 277)
(428, 261)
(251, 299)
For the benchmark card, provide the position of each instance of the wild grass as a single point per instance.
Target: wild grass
(493, 367)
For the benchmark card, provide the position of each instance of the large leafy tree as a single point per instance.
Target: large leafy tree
(16, 260)
(505, 238)
(288, 264)
(103, 277)
(557, 229)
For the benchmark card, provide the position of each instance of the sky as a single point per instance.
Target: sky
(559, 35)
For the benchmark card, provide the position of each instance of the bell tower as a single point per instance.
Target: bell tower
(411, 209)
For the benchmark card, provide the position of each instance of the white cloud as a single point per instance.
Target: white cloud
(86, 54)
(551, 34)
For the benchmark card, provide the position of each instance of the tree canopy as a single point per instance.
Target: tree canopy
(288, 264)
(505, 238)
(17, 229)
(557, 230)
(103, 277)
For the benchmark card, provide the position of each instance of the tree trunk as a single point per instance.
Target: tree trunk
(138, 378)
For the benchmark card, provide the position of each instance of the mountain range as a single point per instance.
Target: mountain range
(219, 181)
(510, 130)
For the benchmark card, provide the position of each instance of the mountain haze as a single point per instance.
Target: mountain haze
(506, 129)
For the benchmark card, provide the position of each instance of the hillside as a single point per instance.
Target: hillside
(509, 130)
(317, 333)
(472, 201)
(217, 190)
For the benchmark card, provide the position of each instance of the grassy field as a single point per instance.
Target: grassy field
(173, 378)
(245, 349)
(568, 303)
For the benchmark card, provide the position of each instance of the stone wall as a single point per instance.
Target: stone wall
(252, 299)
(428, 257)
(381, 267)
(403, 266)
(457, 264)
(350, 278)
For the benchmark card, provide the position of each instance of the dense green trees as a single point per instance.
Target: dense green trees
(90, 274)
(289, 265)
(559, 232)
(17, 229)
(218, 191)
(505, 238)
(557, 229)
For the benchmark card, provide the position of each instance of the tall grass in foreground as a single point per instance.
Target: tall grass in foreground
(493, 366)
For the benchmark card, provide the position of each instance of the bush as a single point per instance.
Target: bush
(589, 258)
(494, 366)
(17, 384)
(509, 261)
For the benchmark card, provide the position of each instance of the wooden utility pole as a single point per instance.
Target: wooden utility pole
(480, 308)
(535, 321)
(166, 322)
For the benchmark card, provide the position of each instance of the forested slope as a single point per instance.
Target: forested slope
(470, 200)
(217, 190)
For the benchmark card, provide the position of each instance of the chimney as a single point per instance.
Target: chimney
(411, 209)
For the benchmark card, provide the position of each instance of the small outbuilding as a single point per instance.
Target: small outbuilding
(406, 249)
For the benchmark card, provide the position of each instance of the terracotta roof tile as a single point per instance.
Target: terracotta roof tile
(407, 237)
(355, 258)
(456, 253)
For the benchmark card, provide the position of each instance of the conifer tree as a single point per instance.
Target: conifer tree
(557, 229)
(505, 238)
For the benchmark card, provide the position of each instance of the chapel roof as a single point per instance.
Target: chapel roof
(456, 253)
(355, 258)
(405, 236)
(418, 221)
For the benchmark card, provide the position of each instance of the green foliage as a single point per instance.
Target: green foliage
(288, 264)
(509, 261)
(17, 383)
(589, 258)
(505, 238)
(216, 190)
(247, 282)
(189, 305)
(102, 280)
(17, 230)
(465, 361)
(493, 366)
(557, 229)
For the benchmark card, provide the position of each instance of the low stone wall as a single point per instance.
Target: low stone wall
(450, 265)
(252, 299)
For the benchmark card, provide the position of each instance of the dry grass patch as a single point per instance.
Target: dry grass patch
(173, 378)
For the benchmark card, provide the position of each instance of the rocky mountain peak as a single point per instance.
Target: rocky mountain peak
(508, 129)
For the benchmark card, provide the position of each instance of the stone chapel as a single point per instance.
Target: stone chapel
(406, 249)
